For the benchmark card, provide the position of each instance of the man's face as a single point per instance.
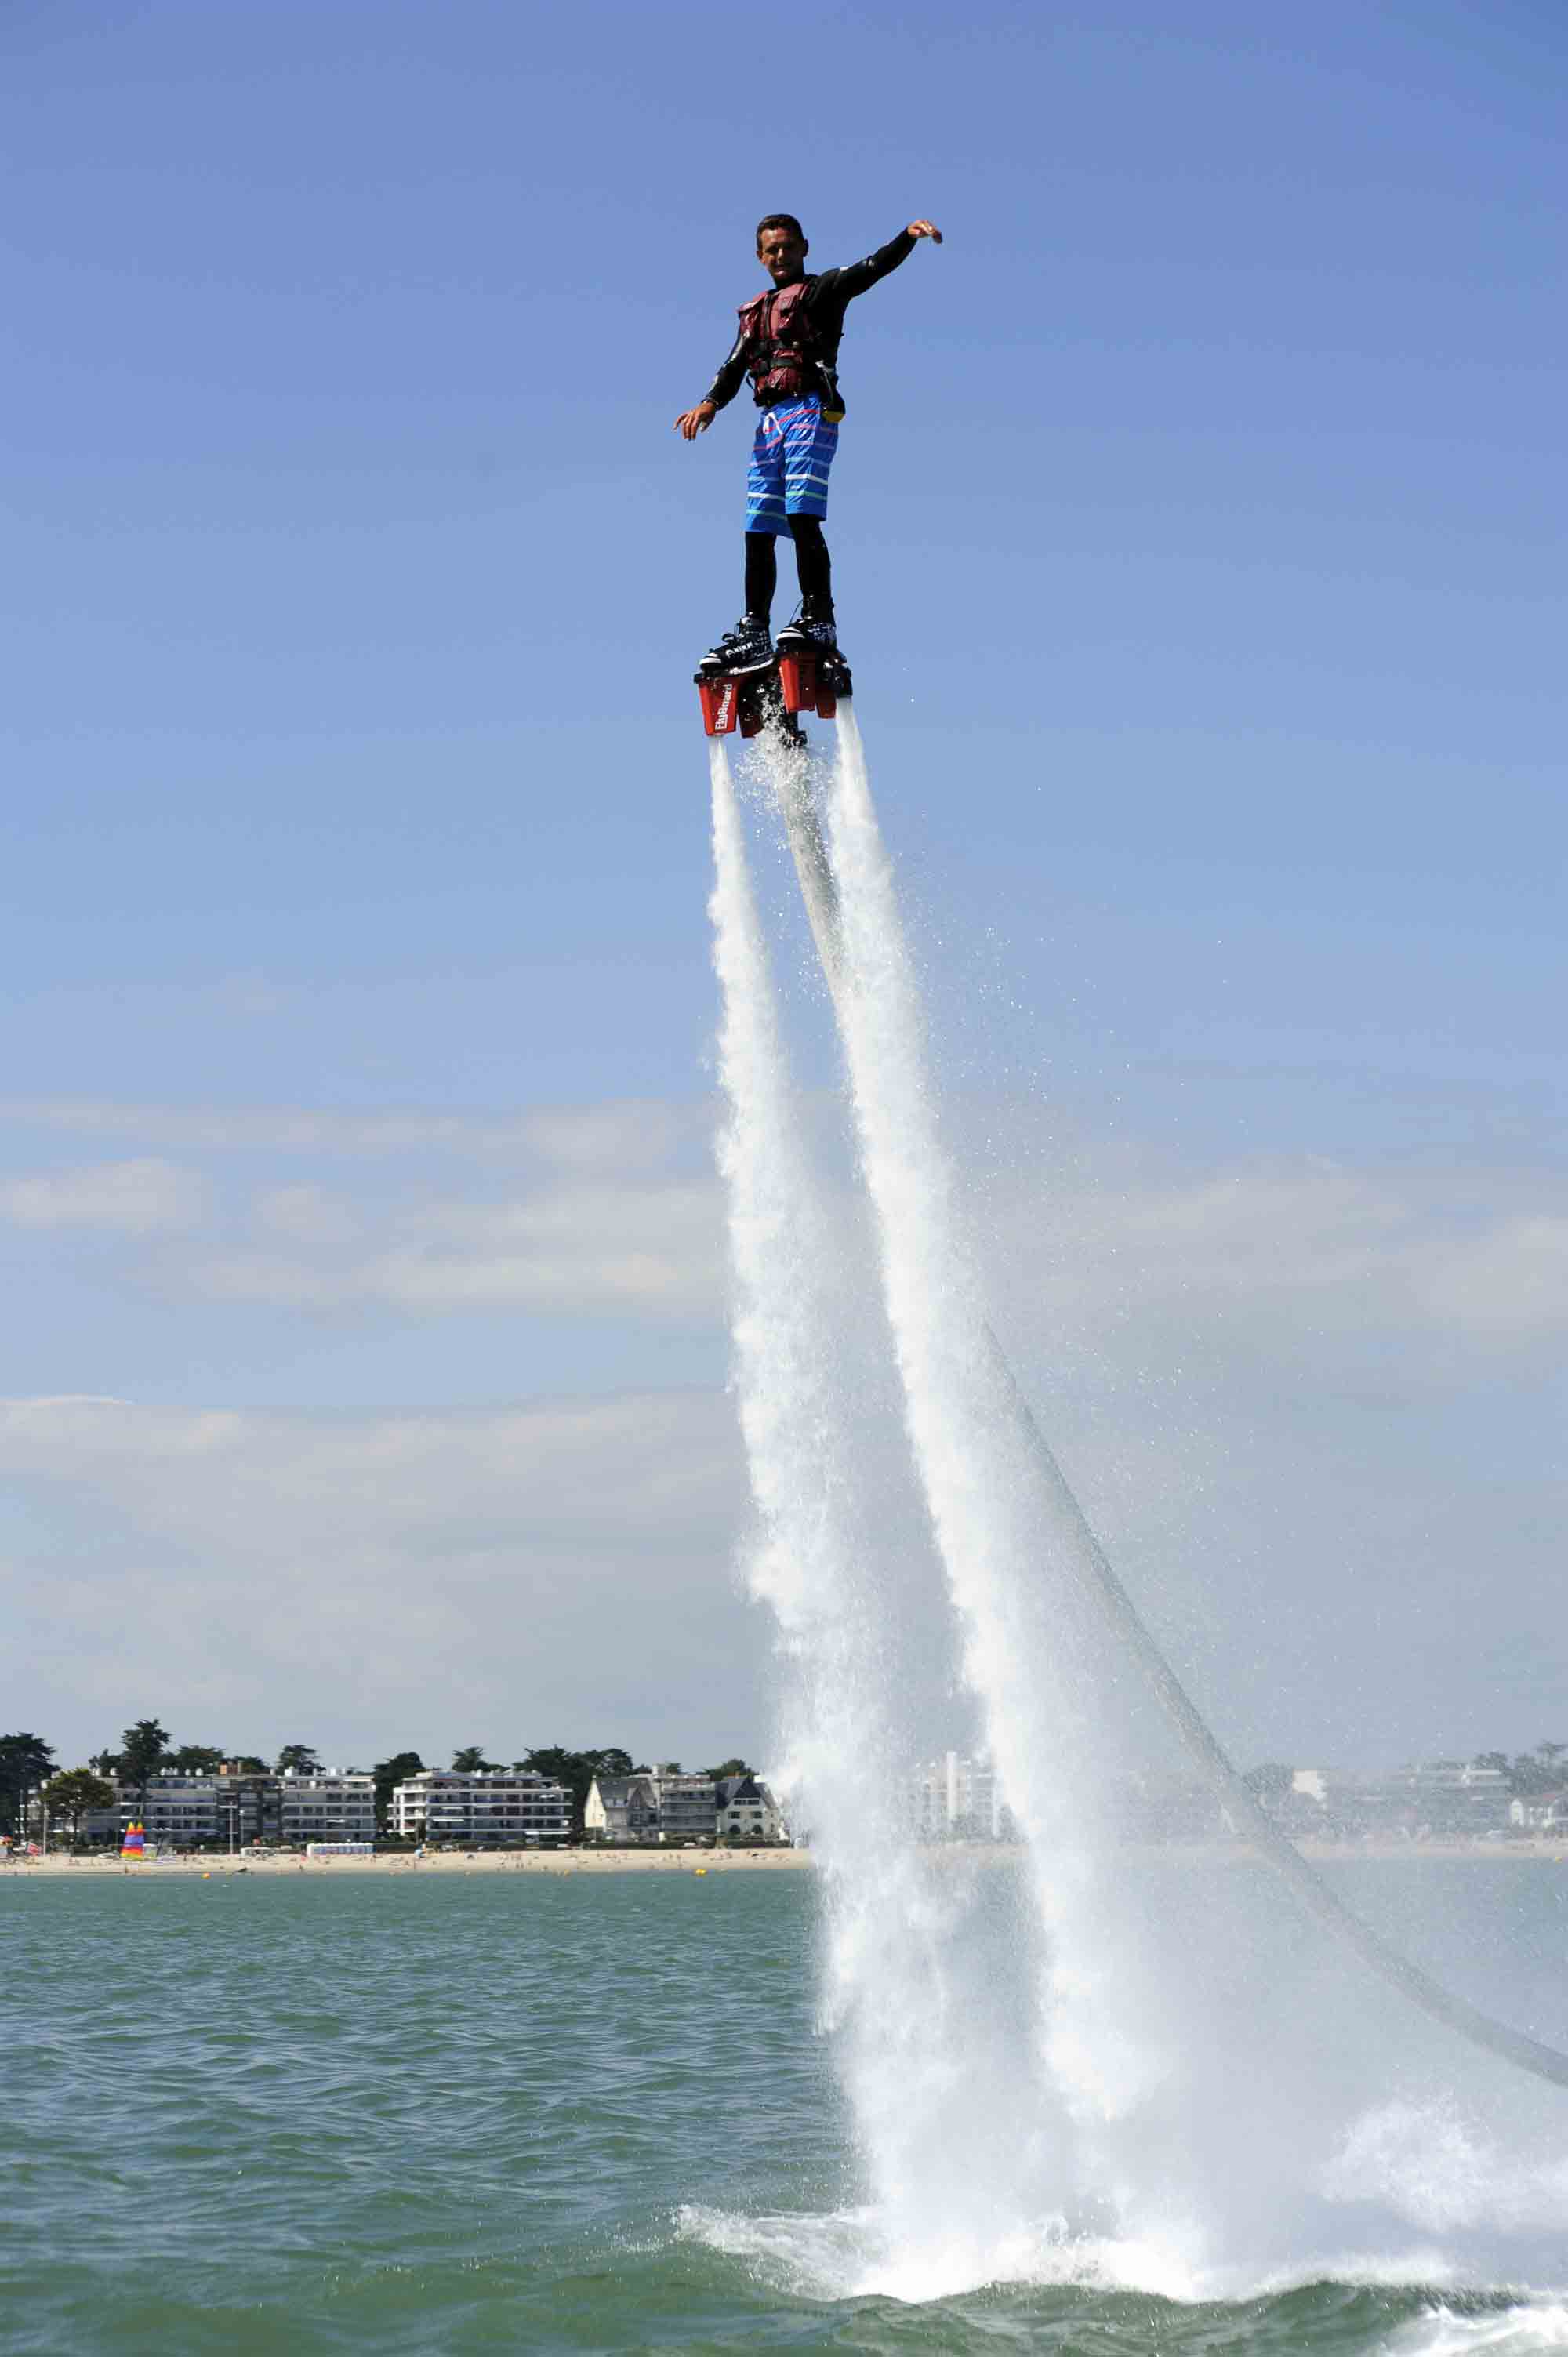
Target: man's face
(783, 255)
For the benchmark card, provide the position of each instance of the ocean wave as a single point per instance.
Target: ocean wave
(848, 2254)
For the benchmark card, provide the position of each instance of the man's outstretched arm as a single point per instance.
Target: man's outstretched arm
(719, 395)
(838, 286)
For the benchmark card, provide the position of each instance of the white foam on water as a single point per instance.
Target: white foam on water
(1519, 2331)
(845, 2255)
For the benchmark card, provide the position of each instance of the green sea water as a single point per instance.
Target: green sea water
(529, 2112)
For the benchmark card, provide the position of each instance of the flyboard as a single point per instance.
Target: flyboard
(772, 697)
(799, 676)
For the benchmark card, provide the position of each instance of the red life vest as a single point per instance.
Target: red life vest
(786, 356)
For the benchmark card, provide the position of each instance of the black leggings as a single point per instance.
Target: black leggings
(811, 562)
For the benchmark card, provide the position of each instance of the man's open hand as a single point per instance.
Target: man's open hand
(692, 422)
(925, 229)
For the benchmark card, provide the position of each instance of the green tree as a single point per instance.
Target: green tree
(1270, 1781)
(248, 1764)
(1537, 1771)
(198, 1759)
(25, 1762)
(73, 1793)
(730, 1768)
(390, 1772)
(300, 1758)
(471, 1760)
(576, 1771)
(144, 1749)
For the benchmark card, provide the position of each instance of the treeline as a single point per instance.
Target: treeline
(1528, 1773)
(28, 1765)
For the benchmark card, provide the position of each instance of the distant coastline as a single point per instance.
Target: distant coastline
(591, 1862)
(272, 1863)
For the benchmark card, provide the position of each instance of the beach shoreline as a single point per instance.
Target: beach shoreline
(565, 1861)
(590, 1863)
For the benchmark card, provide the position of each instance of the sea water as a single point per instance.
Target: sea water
(383, 2112)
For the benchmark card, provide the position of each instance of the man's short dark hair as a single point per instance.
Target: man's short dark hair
(780, 220)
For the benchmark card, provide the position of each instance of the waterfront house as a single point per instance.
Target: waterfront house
(621, 1809)
(660, 1805)
(746, 1810)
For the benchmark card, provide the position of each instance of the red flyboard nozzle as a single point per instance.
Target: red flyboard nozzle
(797, 682)
(720, 699)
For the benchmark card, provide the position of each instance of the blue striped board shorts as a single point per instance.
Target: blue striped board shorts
(790, 461)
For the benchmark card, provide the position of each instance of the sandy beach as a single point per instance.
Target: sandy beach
(566, 1861)
(591, 1862)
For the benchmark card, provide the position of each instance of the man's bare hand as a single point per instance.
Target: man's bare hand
(692, 422)
(925, 229)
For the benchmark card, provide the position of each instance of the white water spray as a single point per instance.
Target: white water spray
(948, 2124)
(1211, 2135)
(1025, 1636)
(1179, 2090)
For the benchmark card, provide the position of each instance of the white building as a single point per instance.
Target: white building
(1453, 1795)
(660, 1805)
(957, 1798)
(236, 1808)
(494, 1805)
(177, 1809)
(688, 1805)
(621, 1809)
(745, 1809)
(327, 1805)
(1540, 1812)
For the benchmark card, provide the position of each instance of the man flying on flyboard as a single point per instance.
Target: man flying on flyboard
(787, 344)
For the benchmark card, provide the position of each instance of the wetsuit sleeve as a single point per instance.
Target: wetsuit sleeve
(726, 384)
(834, 288)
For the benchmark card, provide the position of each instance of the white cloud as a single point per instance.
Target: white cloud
(1293, 1392)
(630, 1135)
(514, 1576)
(1278, 1253)
(306, 1215)
(1509, 1283)
(655, 1251)
(130, 1199)
(1266, 1256)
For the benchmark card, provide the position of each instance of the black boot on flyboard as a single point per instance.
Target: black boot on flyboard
(812, 674)
(748, 648)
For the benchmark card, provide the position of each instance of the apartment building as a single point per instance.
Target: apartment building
(958, 1798)
(488, 1806)
(687, 1805)
(1452, 1796)
(328, 1804)
(237, 1808)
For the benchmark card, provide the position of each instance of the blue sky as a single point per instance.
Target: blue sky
(1197, 527)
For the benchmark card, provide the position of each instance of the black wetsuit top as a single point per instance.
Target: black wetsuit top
(827, 298)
